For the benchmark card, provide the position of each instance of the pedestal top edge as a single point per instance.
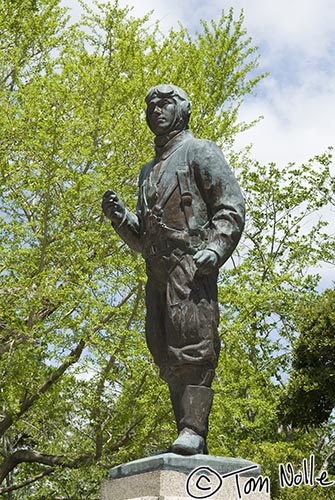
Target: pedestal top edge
(185, 465)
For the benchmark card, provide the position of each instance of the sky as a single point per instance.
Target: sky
(296, 40)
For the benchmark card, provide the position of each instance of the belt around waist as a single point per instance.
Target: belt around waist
(166, 246)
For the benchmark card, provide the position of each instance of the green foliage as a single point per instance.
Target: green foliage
(312, 380)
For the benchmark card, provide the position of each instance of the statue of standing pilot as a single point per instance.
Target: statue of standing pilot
(189, 219)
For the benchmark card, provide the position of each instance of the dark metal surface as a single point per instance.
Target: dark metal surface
(189, 219)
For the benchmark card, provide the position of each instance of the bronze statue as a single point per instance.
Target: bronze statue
(189, 219)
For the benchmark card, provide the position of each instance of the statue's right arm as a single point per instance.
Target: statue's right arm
(125, 222)
(129, 230)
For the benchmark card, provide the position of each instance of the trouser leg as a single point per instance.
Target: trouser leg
(155, 322)
(182, 320)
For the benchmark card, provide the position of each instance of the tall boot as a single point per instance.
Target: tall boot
(196, 403)
(176, 393)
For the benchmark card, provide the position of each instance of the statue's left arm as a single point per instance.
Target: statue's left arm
(222, 195)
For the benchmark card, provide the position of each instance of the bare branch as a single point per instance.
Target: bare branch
(126, 436)
(28, 402)
(31, 456)
(101, 383)
(27, 456)
(18, 486)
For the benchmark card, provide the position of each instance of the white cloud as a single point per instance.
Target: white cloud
(298, 123)
(302, 25)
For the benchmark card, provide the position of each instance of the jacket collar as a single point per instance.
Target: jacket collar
(172, 145)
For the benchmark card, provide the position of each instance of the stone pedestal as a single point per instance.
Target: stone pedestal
(174, 477)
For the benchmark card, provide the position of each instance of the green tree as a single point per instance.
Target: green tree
(312, 380)
(78, 390)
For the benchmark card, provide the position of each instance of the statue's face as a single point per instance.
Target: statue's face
(161, 114)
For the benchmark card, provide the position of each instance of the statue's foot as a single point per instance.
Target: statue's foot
(189, 443)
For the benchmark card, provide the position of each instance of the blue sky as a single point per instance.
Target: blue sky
(296, 40)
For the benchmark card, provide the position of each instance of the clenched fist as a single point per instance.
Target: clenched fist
(113, 207)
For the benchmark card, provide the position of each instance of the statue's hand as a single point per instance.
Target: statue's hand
(113, 207)
(206, 261)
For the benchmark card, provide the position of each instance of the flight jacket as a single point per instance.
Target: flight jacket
(194, 202)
